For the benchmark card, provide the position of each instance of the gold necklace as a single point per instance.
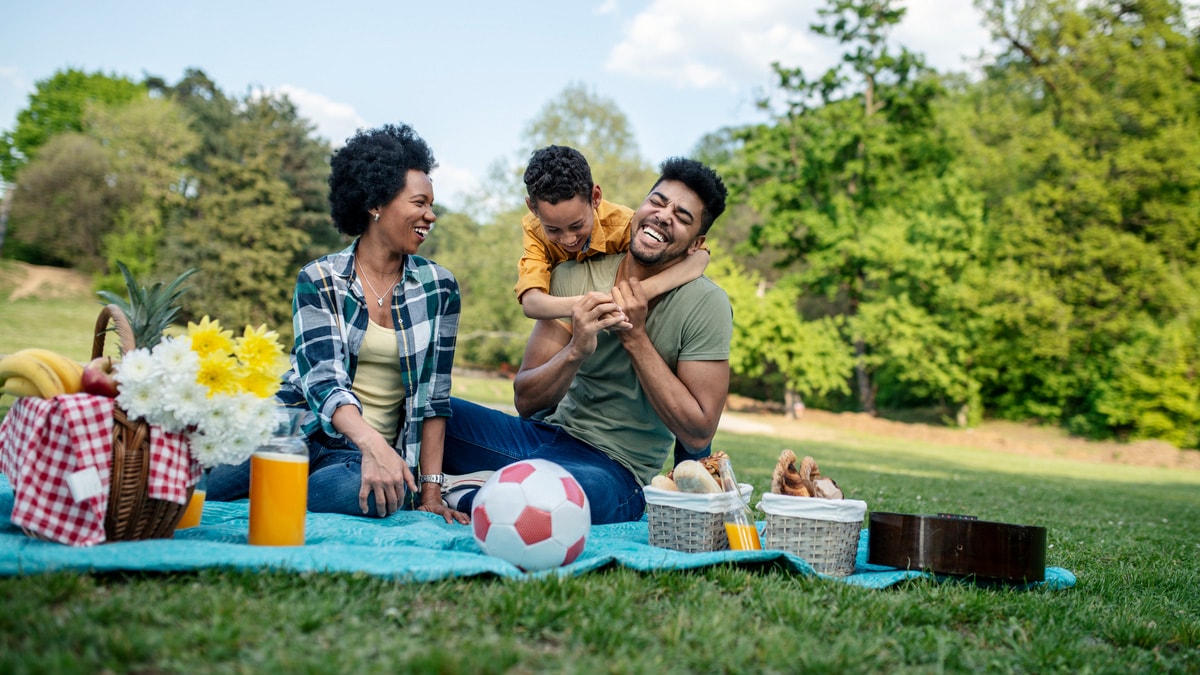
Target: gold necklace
(378, 298)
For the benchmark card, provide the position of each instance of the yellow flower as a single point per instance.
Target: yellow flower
(219, 373)
(261, 383)
(258, 349)
(208, 338)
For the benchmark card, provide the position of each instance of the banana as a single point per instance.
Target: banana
(69, 371)
(19, 387)
(41, 375)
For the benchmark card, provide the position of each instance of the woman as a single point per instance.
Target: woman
(375, 328)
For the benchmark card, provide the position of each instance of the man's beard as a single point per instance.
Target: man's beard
(662, 256)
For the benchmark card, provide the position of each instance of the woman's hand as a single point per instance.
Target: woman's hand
(385, 474)
(431, 502)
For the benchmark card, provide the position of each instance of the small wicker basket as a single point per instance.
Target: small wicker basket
(830, 546)
(686, 530)
(689, 530)
(131, 514)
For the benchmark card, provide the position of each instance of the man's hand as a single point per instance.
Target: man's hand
(631, 297)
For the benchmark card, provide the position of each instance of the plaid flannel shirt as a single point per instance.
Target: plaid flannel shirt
(329, 317)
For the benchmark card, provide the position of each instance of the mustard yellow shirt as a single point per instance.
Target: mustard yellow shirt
(610, 234)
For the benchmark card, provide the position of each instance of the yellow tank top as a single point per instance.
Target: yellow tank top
(378, 381)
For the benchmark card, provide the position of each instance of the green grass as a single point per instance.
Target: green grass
(1129, 534)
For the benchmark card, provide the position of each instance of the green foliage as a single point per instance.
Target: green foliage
(62, 206)
(769, 336)
(58, 105)
(492, 329)
(852, 184)
(1077, 141)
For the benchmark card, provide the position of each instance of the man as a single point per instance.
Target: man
(621, 397)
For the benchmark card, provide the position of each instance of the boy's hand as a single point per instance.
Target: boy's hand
(593, 313)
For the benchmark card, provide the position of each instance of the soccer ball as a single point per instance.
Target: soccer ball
(533, 514)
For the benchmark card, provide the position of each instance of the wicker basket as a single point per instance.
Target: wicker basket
(830, 546)
(131, 515)
(688, 530)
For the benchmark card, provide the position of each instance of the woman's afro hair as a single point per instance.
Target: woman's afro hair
(370, 170)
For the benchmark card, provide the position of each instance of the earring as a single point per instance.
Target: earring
(377, 217)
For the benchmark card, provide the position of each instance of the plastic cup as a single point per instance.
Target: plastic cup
(195, 508)
(278, 493)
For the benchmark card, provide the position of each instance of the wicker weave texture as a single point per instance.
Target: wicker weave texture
(830, 547)
(686, 530)
(131, 514)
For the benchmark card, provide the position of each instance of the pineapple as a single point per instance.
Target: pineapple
(150, 311)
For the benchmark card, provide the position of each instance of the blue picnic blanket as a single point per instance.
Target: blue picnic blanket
(406, 546)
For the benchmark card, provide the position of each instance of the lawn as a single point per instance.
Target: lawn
(1129, 533)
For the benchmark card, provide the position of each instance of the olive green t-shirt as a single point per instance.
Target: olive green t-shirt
(605, 405)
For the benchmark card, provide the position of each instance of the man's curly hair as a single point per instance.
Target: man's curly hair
(557, 173)
(700, 179)
(370, 170)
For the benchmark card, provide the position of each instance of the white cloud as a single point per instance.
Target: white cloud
(714, 43)
(454, 186)
(334, 121)
(719, 44)
(606, 7)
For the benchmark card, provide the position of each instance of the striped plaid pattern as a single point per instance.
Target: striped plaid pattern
(329, 317)
(43, 441)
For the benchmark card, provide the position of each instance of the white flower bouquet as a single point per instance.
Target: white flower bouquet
(216, 390)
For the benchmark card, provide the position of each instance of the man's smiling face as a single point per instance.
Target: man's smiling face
(667, 224)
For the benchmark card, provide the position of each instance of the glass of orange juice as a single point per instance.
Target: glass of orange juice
(279, 492)
(195, 507)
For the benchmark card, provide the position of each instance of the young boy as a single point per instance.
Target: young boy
(568, 220)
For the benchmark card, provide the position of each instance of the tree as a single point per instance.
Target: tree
(62, 206)
(1092, 115)
(246, 226)
(770, 340)
(148, 143)
(58, 105)
(854, 184)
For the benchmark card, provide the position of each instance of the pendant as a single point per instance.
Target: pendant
(379, 302)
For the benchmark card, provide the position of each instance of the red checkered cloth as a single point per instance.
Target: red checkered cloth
(46, 445)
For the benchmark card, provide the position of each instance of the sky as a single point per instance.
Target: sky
(468, 76)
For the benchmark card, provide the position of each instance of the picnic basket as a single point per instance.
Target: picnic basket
(692, 523)
(824, 532)
(132, 515)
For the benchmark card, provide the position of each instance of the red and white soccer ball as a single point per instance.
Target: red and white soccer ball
(533, 514)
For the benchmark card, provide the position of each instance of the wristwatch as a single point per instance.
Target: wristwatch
(439, 478)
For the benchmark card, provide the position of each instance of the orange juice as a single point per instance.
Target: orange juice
(742, 537)
(278, 498)
(195, 507)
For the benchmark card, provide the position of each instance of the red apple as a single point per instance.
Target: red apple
(97, 377)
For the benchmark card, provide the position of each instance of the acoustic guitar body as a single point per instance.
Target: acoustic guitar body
(958, 545)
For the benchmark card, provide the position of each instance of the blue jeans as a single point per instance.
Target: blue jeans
(334, 479)
(479, 439)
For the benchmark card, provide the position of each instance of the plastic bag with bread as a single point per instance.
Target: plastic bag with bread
(700, 476)
(802, 481)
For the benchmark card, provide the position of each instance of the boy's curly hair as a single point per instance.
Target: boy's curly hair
(557, 173)
(700, 179)
(370, 170)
